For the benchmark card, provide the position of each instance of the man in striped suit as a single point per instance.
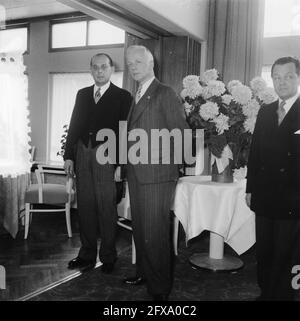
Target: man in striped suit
(152, 185)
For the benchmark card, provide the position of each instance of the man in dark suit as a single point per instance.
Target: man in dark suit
(97, 107)
(273, 184)
(152, 184)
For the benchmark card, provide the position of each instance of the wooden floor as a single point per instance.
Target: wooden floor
(41, 261)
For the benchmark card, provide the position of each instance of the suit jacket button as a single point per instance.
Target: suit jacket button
(282, 170)
(289, 154)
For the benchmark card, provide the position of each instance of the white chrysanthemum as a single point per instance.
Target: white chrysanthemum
(213, 88)
(241, 94)
(188, 108)
(240, 173)
(251, 109)
(249, 124)
(226, 99)
(191, 92)
(258, 84)
(208, 75)
(206, 94)
(209, 110)
(184, 93)
(267, 96)
(221, 123)
(190, 81)
(232, 84)
(216, 87)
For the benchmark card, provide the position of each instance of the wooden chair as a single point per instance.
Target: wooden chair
(49, 194)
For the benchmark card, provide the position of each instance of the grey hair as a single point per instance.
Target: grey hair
(144, 49)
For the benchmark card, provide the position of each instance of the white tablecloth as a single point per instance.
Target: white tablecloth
(202, 205)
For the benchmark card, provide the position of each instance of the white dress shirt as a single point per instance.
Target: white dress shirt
(102, 89)
(145, 86)
(289, 102)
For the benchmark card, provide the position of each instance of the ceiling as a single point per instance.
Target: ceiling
(20, 9)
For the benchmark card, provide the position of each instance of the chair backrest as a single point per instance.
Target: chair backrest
(32, 154)
(41, 170)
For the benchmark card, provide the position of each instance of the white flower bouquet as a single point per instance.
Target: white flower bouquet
(227, 113)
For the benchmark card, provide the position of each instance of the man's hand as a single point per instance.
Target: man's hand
(69, 167)
(248, 199)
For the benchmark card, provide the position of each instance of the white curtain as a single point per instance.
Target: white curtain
(235, 37)
(64, 90)
(14, 123)
(14, 140)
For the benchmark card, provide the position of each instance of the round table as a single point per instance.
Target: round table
(215, 260)
(220, 208)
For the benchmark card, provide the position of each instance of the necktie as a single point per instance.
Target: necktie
(97, 95)
(281, 112)
(138, 94)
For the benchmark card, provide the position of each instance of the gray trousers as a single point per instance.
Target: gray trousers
(97, 209)
(150, 211)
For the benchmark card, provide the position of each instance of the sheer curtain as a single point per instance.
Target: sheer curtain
(235, 36)
(14, 137)
(14, 123)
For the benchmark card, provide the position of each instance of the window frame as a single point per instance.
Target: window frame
(25, 25)
(87, 46)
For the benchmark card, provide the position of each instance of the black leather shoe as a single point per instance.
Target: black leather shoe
(160, 297)
(136, 280)
(107, 267)
(81, 264)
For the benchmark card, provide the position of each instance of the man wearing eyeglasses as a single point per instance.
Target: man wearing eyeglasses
(273, 184)
(100, 106)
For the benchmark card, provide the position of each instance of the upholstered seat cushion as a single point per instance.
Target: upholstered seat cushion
(52, 194)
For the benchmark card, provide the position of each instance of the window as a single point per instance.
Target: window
(86, 33)
(14, 39)
(282, 18)
(281, 33)
(64, 87)
(266, 75)
(71, 34)
(108, 35)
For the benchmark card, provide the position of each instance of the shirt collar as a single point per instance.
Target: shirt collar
(289, 102)
(102, 88)
(146, 85)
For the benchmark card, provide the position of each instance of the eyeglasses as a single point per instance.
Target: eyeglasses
(102, 67)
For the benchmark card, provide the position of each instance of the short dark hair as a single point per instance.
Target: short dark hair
(286, 60)
(102, 54)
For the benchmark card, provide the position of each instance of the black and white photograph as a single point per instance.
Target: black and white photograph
(149, 153)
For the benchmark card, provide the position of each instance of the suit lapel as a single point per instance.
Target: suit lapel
(107, 93)
(138, 109)
(293, 115)
(273, 116)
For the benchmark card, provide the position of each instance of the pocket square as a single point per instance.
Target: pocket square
(297, 132)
